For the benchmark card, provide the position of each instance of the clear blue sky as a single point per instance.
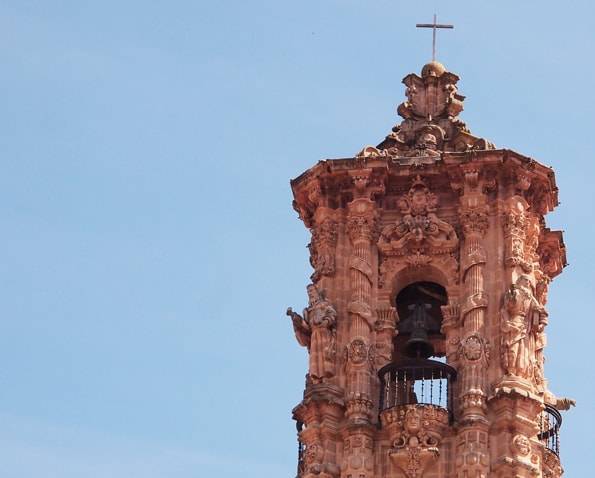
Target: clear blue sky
(149, 248)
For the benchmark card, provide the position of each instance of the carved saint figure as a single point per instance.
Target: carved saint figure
(523, 320)
(316, 330)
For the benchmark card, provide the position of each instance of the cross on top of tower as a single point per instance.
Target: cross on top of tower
(433, 26)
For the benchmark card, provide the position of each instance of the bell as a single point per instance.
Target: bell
(418, 345)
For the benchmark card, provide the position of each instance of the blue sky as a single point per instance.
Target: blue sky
(148, 243)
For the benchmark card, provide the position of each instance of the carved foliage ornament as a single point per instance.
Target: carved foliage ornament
(362, 221)
(419, 231)
(474, 220)
(521, 232)
(322, 248)
(474, 348)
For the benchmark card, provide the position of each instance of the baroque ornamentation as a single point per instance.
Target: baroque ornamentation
(551, 259)
(474, 348)
(419, 231)
(521, 445)
(316, 330)
(523, 319)
(472, 455)
(357, 351)
(474, 219)
(416, 432)
(551, 464)
(322, 248)
(431, 123)
(520, 245)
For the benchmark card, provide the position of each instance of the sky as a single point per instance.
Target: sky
(148, 243)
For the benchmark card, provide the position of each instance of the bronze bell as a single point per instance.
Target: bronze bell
(418, 323)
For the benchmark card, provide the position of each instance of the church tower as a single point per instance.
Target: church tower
(426, 322)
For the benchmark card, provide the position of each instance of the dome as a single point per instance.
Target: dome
(433, 68)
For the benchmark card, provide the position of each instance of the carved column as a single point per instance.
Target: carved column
(516, 406)
(320, 412)
(358, 435)
(385, 328)
(472, 438)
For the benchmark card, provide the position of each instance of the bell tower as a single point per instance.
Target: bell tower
(426, 317)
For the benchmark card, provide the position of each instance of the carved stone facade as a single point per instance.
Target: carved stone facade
(434, 208)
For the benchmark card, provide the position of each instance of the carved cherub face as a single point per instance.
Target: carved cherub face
(418, 200)
(413, 421)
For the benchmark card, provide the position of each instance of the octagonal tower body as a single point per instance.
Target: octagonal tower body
(426, 320)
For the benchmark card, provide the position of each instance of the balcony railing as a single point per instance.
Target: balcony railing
(417, 381)
(550, 422)
(301, 450)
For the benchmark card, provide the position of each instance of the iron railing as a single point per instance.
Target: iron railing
(550, 422)
(417, 381)
(301, 450)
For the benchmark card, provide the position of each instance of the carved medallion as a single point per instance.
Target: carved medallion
(521, 444)
(358, 351)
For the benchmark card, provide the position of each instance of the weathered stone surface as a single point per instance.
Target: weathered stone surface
(431, 203)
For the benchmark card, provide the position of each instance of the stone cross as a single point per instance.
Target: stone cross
(433, 26)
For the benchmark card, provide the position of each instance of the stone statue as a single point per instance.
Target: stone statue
(316, 330)
(523, 322)
(560, 403)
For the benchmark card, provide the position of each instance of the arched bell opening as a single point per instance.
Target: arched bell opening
(418, 374)
(419, 333)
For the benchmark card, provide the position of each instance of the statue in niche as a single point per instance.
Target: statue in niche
(316, 330)
(523, 322)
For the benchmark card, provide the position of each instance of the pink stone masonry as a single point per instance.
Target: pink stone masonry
(426, 320)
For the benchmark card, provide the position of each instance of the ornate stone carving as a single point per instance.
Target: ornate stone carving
(416, 432)
(474, 348)
(419, 231)
(431, 122)
(316, 330)
(359, 408)
(322, 248)
(522, 319)
(359, 462)
(551, 464)
(451, 226)
(472, 459)
(385, 328)
(357, 351)
(451, 314)
(474, 220)
(521, 235)
(560, 403)
(521, 445)
(551, 253)
(362, 221)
